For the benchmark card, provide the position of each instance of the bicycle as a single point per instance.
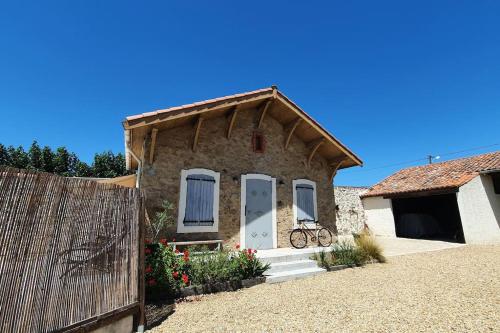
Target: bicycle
(298, 236)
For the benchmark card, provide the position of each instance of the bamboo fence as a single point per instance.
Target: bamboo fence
(69, 250)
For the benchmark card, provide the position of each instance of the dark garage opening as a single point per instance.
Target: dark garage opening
(434, 217)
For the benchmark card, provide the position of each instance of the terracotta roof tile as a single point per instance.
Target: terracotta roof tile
(445, 175)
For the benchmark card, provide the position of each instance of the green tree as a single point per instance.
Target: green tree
(4, 156)
(47, 159)
(82, 169)
(62, 162)
(74, 161)
(109, 165)
(18, 157)
(35, 156)
(119, 165)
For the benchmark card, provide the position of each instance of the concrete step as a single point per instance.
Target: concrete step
(287, 256)
(294, 274)
(278, 267)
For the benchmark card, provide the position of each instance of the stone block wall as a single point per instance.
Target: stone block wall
(350, 215)
(232, 158)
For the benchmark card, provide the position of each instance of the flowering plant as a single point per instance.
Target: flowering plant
(165, 271)
(249, 265)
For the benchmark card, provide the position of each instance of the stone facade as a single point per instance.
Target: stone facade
(349, 211)
(232, 158)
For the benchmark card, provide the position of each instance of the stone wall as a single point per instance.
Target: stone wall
(232, 158)
(350, 214)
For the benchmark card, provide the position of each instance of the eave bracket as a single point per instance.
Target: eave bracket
(197, 128)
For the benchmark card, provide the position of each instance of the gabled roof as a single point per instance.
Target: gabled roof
(449, 175)
(139, 126)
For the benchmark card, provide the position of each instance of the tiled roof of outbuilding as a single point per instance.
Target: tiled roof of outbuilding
(438, 176)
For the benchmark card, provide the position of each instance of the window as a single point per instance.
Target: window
(258, 142)
(304, 201)
(199, 201)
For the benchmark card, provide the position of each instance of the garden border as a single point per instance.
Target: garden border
(212, 288)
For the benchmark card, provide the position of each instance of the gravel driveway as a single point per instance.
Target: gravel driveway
(450, 290)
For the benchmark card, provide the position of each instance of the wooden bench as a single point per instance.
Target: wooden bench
(205, 242)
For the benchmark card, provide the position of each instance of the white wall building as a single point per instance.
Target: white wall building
(457, 200)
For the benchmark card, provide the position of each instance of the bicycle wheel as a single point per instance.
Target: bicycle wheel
(325, 237)
(298, 239)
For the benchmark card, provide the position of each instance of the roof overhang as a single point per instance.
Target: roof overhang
(419, 194)
(285, 111)
(485, 172)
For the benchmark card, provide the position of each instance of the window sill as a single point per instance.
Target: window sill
(182, 229)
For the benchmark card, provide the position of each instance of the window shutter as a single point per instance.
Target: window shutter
(305, 203)
(199, 200)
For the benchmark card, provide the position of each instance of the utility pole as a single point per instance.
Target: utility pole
(430, 157)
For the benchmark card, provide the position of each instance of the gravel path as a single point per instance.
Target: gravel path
(454, 290)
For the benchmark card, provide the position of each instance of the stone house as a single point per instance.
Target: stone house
(241, 168)
(457, 200)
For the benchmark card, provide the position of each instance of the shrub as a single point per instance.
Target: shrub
(248, 265)
(162, 219)
(323, 258)
(165, 271)
(369, 246)
(345, 253)
(210, 267)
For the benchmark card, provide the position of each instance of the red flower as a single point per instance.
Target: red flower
(185, 278)
(151, 282)
(147, 241)
(175, 275)
(249, 251)
(147, 250)
(173, 239)
(186, 256)
(254, 251)
(164, 242)
(149, 269)
(238, 246)
(177, 251)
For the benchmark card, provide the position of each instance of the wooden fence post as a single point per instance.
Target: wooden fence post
(140, 319)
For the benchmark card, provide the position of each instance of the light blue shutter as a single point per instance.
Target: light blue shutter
(305, 203)
(199, 200)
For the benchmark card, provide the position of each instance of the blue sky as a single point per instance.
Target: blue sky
(393, 80)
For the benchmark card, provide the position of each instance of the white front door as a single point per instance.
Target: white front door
(258, 207)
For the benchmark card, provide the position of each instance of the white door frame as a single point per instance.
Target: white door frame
(243, 202)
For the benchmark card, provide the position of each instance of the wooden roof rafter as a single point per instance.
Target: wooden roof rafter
(314, 146)
(265, 107)
(289, 129)
(154, 133)
(335, 165)
(231, 120)
(197, 129)
(283, 99)
(151, 118)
